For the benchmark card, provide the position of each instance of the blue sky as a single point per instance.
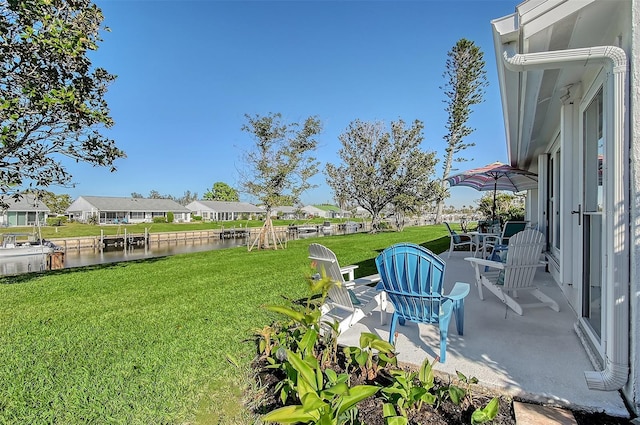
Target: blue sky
(188, 72)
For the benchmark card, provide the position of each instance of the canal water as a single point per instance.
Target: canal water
(88, 257)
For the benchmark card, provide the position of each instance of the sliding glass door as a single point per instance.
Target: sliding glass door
(593, 160)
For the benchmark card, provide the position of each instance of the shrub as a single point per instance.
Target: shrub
(170, 217)
(56, 221)
(159, 220)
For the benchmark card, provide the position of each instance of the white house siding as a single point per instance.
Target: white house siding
(633, 386)
(24, 212)
(285, 212)
(314, 211)
(551, 143)
(81, 210)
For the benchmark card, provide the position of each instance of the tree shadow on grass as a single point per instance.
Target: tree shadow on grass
(31, 276)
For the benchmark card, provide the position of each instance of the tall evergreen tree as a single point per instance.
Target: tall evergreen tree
(466, 80)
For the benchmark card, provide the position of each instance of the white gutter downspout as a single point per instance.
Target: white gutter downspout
(616, 368)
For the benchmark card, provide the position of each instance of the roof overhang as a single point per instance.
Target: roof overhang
(531, 99)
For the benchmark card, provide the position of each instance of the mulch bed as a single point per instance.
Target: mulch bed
(446, 413)
(370, 409)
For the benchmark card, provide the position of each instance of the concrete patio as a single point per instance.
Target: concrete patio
(537, 356)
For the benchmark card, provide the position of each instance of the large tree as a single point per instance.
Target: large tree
(276, 171)
(465, 82)
(52, 102)
(57, 204)
(222, 192)
(380, 168)
(154, 194)
(509, 206)
(186, 198)
(414, 202)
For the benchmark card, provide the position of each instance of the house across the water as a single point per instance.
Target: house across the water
(225, 210)
(26, 211)
(114, 210)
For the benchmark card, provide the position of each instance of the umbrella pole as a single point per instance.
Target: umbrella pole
(493, 214)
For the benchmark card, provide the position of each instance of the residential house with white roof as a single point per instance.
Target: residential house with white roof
(26, 211)
(225, 210)
(115, 210)
(313, 211)
(286, 212)
(331, 211)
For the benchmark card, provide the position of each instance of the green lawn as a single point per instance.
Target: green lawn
(146, 342)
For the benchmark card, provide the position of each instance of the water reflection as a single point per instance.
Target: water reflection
(88, 257)
(23, 264)
(77, 258)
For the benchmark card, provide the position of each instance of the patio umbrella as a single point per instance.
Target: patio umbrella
(496, 176)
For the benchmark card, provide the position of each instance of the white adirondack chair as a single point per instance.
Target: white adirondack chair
(459, 239)
(506, 279)
(348, 301)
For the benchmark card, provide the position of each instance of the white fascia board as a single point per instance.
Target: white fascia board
(506, 30)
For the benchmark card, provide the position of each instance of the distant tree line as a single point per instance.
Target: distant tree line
(185, 199)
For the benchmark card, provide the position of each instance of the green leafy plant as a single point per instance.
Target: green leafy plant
(487, 413)
(93, 219)
(481, 415)
(411, 389)
(468, 382)
(329, 340)
(459, 395)
(325, 398)
(303, 331)
(370, 362)
(300, 334)
(391, 417)
(305, 328)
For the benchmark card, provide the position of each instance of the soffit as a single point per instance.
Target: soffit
(532, 112)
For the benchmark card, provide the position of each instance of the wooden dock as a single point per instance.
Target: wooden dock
(234, 233)
(122, 241)
(131, 239)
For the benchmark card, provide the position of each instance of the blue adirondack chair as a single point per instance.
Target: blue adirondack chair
(412, 277)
